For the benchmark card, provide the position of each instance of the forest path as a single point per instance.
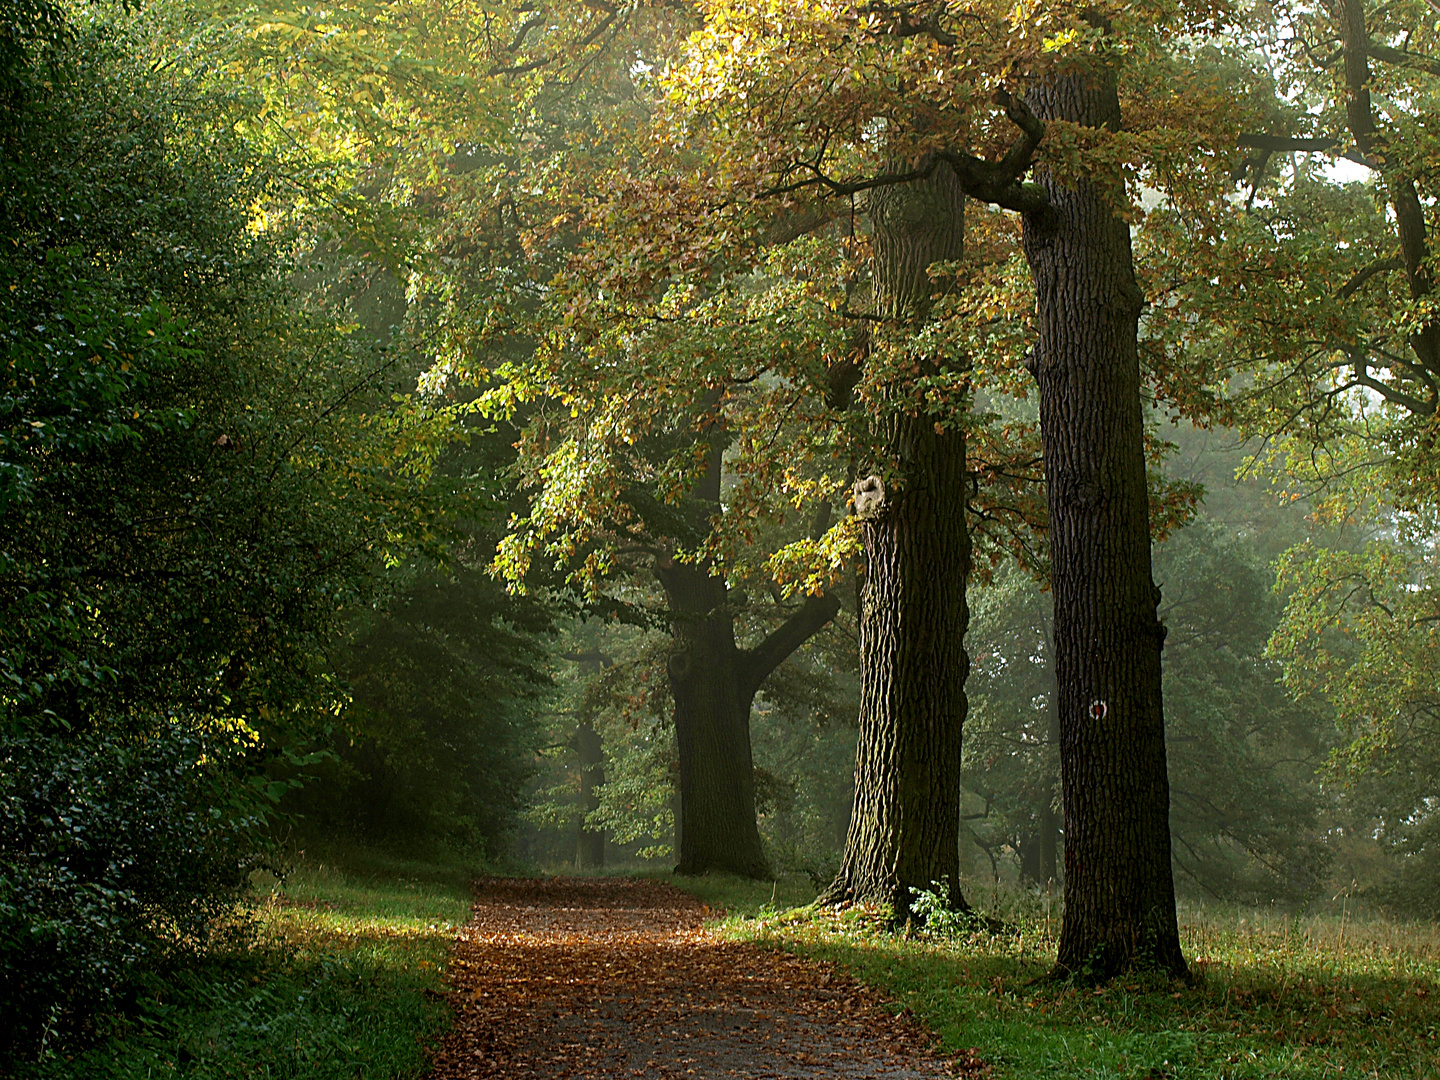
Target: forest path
(608, 977)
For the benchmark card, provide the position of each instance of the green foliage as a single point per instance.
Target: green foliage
(1360, 634)
(1246, 813)
(117, 856)
(620, 687)
(804, 731)
(190, 491)
(439, 738)
(196, 477)
(933, 912)
(25, 27)
(340, 980)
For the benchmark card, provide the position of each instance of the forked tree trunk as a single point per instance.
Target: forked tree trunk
(1119, 890)
(905, 826)
(713, 683)
(716, 827)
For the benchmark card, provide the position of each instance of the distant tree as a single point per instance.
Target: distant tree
(436, 744)
(1012, 749)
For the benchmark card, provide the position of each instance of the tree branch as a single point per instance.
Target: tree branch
(1380, 266)
(995, 182)
(1400, 58)
(999, 182)
(902, 26)
(756, 664)
(1281, 143)
(1358, 356)
(843, 187)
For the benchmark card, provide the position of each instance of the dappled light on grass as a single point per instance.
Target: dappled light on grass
(340, 980)
(1272, 996)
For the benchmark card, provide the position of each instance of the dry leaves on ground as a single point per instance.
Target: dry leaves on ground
(618, 978)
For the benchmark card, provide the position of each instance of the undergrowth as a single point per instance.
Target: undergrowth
(1272, 996)
(335, 975)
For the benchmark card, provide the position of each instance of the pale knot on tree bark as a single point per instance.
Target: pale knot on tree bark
(870, 500)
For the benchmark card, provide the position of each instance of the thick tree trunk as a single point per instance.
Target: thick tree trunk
(1119, 891)
(713, 683)
(716, 828)
(590, 851)
(905, 826)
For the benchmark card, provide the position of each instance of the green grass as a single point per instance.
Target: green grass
(336, 976)
(741, 896)
(1273, 997)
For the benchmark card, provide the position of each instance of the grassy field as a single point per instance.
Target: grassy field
(339, 979)
(1273, 996)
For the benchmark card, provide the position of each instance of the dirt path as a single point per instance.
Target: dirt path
(616, 978)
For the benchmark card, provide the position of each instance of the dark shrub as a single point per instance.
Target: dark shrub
(115, 852)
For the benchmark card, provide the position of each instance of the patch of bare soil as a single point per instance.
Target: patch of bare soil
(616, 978)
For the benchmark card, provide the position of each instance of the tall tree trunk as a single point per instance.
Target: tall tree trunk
(905, 826)
(713, 683)
(1119, 890)
(590, 851)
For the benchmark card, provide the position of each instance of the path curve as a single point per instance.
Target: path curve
(609, 977)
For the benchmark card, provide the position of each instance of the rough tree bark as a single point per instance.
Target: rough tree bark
(713, 683)
(905, 825)
(1119, 890)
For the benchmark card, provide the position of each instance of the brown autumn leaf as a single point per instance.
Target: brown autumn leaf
(600, 978)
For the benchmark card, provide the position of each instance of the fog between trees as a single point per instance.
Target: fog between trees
(927, 448)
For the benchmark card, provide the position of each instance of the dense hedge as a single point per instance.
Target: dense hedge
(117, 853)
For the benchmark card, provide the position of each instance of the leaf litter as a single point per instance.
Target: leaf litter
(610, 977)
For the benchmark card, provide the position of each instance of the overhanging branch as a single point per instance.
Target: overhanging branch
(996, 182)
(1380, 266)
(757, 663)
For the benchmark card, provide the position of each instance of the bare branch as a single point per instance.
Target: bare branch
(1281, 143)
(1380, 266)
(1403, 58)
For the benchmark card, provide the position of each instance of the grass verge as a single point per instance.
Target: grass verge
(336, 975)
(1273, 997)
